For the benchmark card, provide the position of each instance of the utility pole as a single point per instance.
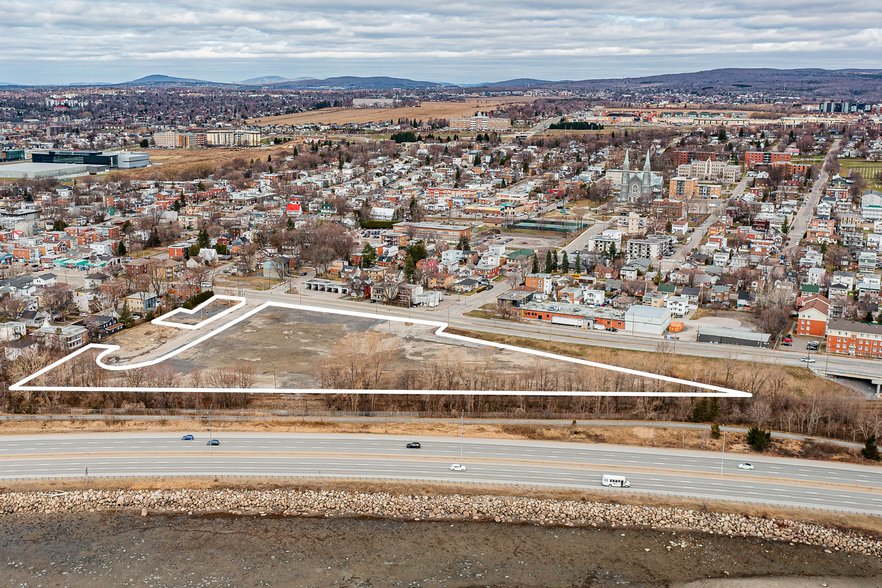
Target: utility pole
(209, 421)
(724, 453)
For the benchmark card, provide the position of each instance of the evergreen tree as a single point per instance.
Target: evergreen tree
(409, 268)
(121, 249)
(549, 262)
(477, 160)
(758, 438)
(203, 240)
(870, 450)
(578, 262)
(554, 259)
(535, 269)
(417, 251)
(463, 244)
(612, 251)
(125, 316)
(368, 256)
(565, 263)
(869, 317)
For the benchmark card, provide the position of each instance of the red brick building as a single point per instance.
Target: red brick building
(813, 316)
(854, 338)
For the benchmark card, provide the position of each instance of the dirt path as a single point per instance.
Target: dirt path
(98, 550)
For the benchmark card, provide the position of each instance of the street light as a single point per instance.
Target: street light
(724, 453)
(209, 421)
(461, 414)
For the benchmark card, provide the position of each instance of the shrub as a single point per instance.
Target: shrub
(759, 439)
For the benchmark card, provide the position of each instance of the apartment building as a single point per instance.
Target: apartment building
(813, 315)
(752, 158)
(652, 248)
(682, 188)
(233, 137)
(480, 122)
(854, 338)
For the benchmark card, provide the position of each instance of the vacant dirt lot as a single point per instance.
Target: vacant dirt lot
(288, 348)
(98, 550)
(423, 112)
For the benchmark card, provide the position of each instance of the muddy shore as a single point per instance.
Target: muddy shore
(113, 549)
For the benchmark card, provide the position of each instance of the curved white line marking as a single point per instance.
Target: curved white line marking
(712, 390)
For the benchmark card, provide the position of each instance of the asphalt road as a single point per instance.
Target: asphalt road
(774, 481)
(804, 215)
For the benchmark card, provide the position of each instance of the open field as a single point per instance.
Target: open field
(868, 169)
(200, 162)
(423, 112)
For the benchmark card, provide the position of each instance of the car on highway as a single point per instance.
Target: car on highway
(213, 442)
(745, 466)
(457, 467)
(807, 360)
(413, 445)
(187, 438)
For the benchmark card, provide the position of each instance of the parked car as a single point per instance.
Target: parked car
(813, 345)
(213, 442)
(457, 467)
(413, 445)
(745, 466)
(187, 438)
(786, 343)
(787, 339)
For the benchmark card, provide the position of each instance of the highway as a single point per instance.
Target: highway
(775, 481)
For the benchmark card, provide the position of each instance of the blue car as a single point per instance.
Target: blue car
(213, 442)
(187, 438)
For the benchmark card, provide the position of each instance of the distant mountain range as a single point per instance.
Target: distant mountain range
(821, 83)
(355, 83)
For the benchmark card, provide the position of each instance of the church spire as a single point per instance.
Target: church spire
(646, 166)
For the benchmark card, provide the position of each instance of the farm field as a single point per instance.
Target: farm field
(423, 112)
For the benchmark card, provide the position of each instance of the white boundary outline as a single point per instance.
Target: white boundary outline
(710, 390)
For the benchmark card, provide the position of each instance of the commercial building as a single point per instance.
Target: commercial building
(854, 338)
(99, 159)
(12, 155)
(730, 336)
(647, 320)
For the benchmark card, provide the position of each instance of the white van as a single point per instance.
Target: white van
(616, 481)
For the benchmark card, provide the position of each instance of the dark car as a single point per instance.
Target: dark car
(490, 287)
(613, 330)
(813, 345)
(413, 445)
(786, 343)
(187, 438)
(213, 442)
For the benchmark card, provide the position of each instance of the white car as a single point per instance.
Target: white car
(457, 467)
(745, 466)
(808, 360)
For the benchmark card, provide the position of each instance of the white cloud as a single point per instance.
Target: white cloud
(461, 42)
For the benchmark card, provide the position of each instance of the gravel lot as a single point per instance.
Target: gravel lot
(98, 550)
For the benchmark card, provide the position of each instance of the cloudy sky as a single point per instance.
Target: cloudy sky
(67, 41)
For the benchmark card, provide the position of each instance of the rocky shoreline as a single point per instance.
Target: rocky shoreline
(330, 503)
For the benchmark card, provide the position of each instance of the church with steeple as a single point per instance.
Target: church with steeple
(637, 184)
